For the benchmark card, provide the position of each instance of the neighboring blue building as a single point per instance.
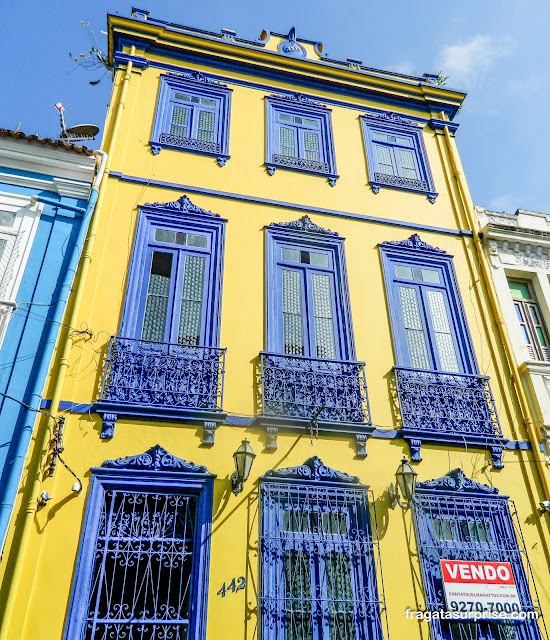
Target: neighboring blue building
(46, 200)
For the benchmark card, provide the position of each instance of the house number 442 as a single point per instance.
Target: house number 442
(235, 585)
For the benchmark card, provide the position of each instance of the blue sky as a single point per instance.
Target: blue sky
(496, 50)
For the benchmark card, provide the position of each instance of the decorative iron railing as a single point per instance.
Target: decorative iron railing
(297, 387)
(193, 144)
(163, 374)
(300, 163)
(453, 403)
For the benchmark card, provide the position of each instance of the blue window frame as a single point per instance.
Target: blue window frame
(175, 279)
(396, 154)
(192, 114)
(308, 311)
(299, 136)
(457, 518)
(428, 323)
(142, 511)
(318, 556)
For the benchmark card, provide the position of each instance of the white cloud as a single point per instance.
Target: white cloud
(405, 66)
(468, 63)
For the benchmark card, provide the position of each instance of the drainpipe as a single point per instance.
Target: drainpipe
(42, 442)
(16, 469)
(525, 409)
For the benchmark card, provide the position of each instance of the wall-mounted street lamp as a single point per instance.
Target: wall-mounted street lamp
(405, 478)
(244, 457)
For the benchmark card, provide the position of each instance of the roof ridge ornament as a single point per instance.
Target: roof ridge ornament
(313, 469)
(304, 224)
(290, 47)
(414, 242)
(455, 480)
(183, 205)
(155, 459)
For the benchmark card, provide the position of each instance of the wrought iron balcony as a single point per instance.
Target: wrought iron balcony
(456, 407)
(158, 376)
(297, 387)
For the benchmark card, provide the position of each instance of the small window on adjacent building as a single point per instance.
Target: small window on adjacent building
(192, 115)
(530, 319)
(396, 154)
(299, 136)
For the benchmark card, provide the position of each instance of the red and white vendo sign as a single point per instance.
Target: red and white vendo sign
(480, 589)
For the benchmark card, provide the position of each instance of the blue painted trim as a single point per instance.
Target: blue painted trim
(439, 125)
(277, 235)
(322, 81)
(187, 218)
(61, 205)
(200, 85)
(289, 205)
(397, 125)
(28, 418)
(138, 62)
(299, 105)
(72, 407)
(176, 482)
(422, 254)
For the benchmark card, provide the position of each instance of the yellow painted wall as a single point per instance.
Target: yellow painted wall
(49, 560)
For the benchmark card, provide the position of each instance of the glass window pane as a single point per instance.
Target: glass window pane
(195, 99)
(402, 271)
(286, 139)
(380, 136)
(290, 255)
(442, 329)
(430, 275)
(318, 259)
(158, 293)
(165, 235)
(3, 243)
(179, 122)
(408, 165)
(311, 146)
(298, 594)
(180, 238)
(519, 290)
(385, 164)
(293, 327)
(414, 328)
(182, 96)
(297, 120)
(206, 126)
(196, 240)
(7, 219)
(284, 117)
(207, 102)
(404, 141)
(444, 529)
(189, 331)
(322, 311)
(541, 337)
(311, 123)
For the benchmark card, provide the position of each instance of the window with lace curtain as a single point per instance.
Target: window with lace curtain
(396, 154)
(299, 136)
(192, 114)
(318, 562)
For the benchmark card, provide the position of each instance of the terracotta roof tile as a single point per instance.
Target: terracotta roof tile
(69, 146)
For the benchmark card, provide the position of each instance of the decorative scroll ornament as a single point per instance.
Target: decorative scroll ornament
(313, 469)
(394, 118)
(197, 76)
(304, 224)
(298, 98)
(155, 459)
(455, 480)
(183, 205)
(414, 242)
(290, 47)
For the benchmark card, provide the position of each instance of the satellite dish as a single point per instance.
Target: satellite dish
(76, 133)
(81, 131)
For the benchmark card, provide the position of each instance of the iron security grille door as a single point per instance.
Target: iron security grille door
(318, 572)
(454, 520)
(143, 566)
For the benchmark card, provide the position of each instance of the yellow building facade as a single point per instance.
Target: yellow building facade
(284, 252)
